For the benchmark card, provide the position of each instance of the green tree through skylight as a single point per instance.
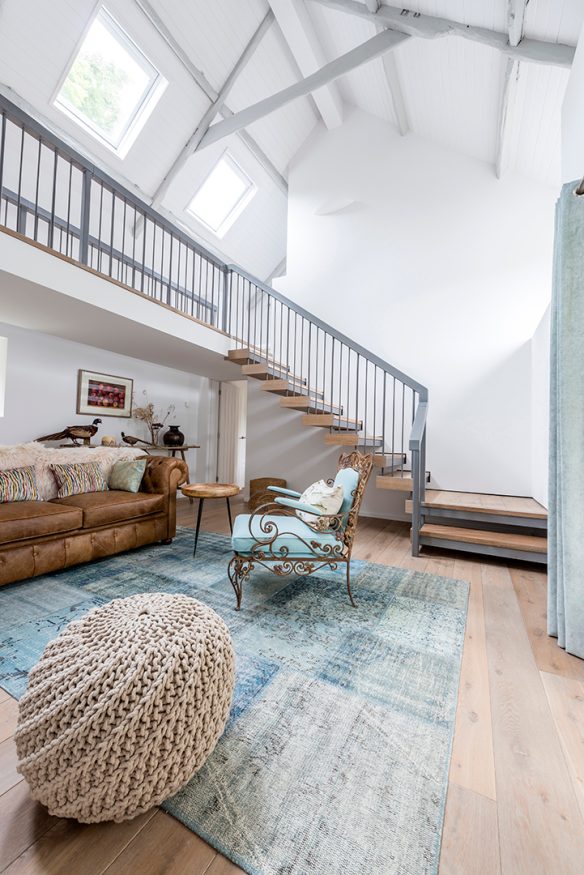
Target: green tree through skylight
(94, 85)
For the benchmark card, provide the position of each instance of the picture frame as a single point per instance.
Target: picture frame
(104, 394)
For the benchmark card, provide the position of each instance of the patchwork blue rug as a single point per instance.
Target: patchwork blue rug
(335, 757)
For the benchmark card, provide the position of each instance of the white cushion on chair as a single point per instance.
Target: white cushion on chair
(323, 497)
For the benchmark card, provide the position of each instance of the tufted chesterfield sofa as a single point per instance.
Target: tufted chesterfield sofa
(41, 536)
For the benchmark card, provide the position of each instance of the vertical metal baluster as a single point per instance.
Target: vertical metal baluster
(348, 384)
(393, 424)
(248, 313)
(36, 196)
(99, 242)
(309, 350)
(288, 339)
(403, 411)
(357, 393)
(153, 261)
(169, 286)
(143, 265)
(375, 400)
(187, 250)
(316, 363)
(193, 282)
(383, 420)
(19, 227)
(2, 150)
(123, 263)
(134, 232)
(281, 335)
(179, 296)
(162, 262)
(69, 208)
(111, 263)
(53, 200)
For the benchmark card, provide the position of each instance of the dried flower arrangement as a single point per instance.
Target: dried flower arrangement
(151, 417)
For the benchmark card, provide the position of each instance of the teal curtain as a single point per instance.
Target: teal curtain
(566, 493)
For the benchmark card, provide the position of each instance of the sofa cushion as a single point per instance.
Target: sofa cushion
(19, 484)
(74, 479)
(295, 536)
(114, 506)
(35, 519)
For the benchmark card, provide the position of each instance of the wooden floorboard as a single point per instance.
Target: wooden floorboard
(472, 765)
(470, 842)
(540, 825)
(515, 801)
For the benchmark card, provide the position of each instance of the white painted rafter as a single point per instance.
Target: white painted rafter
(211, 93)
(367, 51)
(507, 113)
(432, 27)
(302, 40)
(392, 76)
(216, 106)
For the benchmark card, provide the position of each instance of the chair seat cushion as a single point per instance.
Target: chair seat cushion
(114, 506)
(291, 531)
(20, 520)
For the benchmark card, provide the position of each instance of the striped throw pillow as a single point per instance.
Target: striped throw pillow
(75, 479)
(19, 484)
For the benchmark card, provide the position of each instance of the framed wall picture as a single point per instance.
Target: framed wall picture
(104, 394)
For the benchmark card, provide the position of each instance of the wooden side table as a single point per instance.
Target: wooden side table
(210, 490)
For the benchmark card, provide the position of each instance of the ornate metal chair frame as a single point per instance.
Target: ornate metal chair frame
(280, 559)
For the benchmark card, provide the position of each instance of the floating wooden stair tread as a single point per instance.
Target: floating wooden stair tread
(395, 481)
(503, 540)
(476, 502)
(388, 460)
(306, 404)
(331, 420)
(352, 439)
(260, 371)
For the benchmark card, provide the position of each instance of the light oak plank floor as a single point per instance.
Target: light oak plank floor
(515, 802)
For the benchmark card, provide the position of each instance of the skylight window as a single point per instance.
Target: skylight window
(111, 87)
(223, 196)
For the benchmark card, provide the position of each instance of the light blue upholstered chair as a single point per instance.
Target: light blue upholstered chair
(277, 539)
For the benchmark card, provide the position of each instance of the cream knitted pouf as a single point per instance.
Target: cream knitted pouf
(124, 706)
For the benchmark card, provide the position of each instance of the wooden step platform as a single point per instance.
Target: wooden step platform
(367, 443)
(388, 460)
(483, 503)
(436, 535)
(309, 405)
(331, 420)
(395, 481)
(289, 386)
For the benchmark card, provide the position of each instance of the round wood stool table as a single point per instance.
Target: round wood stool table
(210, 490)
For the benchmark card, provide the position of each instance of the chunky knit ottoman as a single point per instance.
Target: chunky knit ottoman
(124, 706)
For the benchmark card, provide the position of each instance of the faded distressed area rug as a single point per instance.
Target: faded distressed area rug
(335, 757)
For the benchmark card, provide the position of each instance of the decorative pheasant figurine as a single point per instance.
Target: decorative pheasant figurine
(132, 441)
(75, 433)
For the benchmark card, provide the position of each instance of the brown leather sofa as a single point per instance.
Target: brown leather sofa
(41, 536)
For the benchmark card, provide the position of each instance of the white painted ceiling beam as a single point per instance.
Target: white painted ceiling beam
(393, 80)
(299, 33)
(508, 113)
(431, 27)
(210, 92)
(373, 48)
(216, 106)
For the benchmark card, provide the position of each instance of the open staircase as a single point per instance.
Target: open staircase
(51, 195)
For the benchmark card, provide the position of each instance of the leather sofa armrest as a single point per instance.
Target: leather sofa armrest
(164, 475)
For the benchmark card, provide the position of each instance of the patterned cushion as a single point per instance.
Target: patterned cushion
(19, 484)
(75, 479)
(127, 475)
(323, 497)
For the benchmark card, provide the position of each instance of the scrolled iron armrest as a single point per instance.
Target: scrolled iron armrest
(270, 530)
(298, 505)
(291, 492)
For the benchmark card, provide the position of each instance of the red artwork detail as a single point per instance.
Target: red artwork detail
(106, 394)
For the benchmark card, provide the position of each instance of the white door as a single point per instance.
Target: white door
(232, 432)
